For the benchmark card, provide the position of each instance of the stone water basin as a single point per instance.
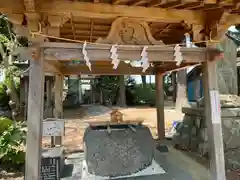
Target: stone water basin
(117, 150)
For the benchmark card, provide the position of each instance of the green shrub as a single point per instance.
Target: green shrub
(4, 124)
(144, 95)
(12, 142)
(4, 98)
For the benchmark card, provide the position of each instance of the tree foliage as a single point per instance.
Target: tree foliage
(136, 94)
(12, 143)
(9, 41)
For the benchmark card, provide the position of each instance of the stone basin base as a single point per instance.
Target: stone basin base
(122, 151)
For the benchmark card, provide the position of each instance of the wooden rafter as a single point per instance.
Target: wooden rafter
(24, 6)
(87, 27)
(154, 3)
(10, 6)
(115, 2)
(139, 2)
(174, 3)
(91, 30)
(161, 30)
(85, 32)
(30, 6)
(81, 37)
(106, 11)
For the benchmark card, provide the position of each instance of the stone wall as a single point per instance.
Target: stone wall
(191, 134)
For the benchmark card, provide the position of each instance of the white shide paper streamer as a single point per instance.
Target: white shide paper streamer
(114, 56)
(85, 56)
(144, 59)
(178, 55)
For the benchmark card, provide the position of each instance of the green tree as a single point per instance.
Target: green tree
(8, 44)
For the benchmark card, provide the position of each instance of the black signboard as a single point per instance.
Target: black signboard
(50, 168)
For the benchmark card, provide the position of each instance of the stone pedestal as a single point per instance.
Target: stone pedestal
(192, 132)
(52, 163)
(226, 68)
(193, 129)
(118, 151)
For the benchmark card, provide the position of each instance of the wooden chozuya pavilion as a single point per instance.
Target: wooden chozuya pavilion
(132, 25)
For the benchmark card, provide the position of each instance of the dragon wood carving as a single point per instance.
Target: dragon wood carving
(128, 31)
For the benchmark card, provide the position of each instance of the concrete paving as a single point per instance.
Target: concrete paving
(177, 165)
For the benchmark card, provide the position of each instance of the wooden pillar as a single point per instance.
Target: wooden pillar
(49, 95)
(48, 92)
(34, 122)
(26, 90)
(58, 108)
(122, 91)
(174, 84)
(93, 97)
(22, 94)
(160, 105)
(213, 119)
(101, 97)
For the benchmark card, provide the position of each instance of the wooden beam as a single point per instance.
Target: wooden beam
(158, 33)
(139, 2)
(160, 105)
(30, 6)
(213, 119)
(197, 36)
(164, 37)
(52, 66)
(12, 7)
(116, 2)
(87, 27)
(155, 3)
(81, 37)
(210, 1)
(171, 3)
(34, 122)
(91, 30)
(73, 27)
(225, 22)
(123, 69)
(72, 51)
(79, 20)
(85, 32)
(106, 11)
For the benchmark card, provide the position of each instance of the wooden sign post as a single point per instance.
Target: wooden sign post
(34, 118)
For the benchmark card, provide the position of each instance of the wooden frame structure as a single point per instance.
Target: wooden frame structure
(205, 56)
(134, 23)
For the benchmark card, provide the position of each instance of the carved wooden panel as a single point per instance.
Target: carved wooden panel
(129, 31)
